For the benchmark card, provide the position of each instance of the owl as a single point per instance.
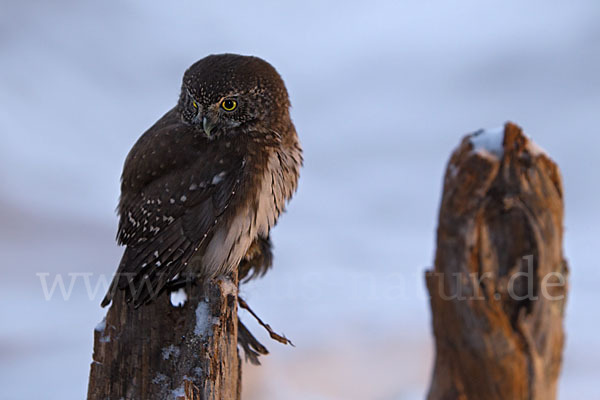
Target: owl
(202, 188)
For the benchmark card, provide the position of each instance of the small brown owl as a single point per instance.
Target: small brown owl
(202, 187)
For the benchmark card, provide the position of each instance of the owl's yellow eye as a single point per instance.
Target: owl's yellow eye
(195, 105)
(228, 104)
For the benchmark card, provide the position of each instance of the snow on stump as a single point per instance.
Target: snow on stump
(499, 285)
(181, 346)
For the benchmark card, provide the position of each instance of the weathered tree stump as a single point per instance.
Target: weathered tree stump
(498, 288)
(161, 351)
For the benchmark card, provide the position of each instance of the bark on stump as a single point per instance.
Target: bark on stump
(159, 351)
(498, 288)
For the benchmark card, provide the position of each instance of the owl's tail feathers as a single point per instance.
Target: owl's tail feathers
(252, 347)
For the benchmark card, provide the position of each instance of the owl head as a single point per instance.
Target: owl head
(229, 94)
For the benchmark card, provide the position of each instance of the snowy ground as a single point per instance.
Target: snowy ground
(381, 94)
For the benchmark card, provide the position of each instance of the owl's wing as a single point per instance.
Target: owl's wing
(169, 219)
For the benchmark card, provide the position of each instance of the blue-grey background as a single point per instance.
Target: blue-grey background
(382, 91)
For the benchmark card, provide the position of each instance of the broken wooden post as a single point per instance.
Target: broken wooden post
(498, 287)
(165, 351)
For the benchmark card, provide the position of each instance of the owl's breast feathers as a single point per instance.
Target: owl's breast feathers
(187, 201)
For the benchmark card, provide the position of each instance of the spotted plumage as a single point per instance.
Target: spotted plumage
(202, 188)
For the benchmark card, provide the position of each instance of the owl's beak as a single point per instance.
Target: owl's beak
(208, 125)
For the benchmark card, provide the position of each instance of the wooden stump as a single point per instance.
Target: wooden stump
(160, 351)
(498, 288)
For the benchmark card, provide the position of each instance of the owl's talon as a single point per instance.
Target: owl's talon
(274, 335)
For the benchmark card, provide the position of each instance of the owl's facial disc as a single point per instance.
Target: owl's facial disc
(213, 123)
(223, 114)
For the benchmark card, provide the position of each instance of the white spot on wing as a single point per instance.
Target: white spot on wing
(218, 177)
